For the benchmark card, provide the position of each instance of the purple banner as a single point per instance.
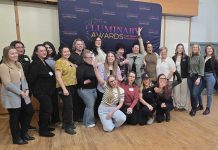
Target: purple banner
(116, 21)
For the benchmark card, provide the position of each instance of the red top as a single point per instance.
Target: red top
(131, 94)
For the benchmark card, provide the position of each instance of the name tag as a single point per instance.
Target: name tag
(51, 73)
(26, 59)
(131, 89)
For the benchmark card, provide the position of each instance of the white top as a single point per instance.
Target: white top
(164, 67)
(100, 58)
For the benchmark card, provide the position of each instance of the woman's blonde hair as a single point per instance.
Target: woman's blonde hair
(199, 49)
(110, 95)
(5, 58)
(183, 50)
(115, 65)
(86, 51)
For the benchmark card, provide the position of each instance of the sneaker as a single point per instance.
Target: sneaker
(70, 130)
(150, 121)
(91, 126)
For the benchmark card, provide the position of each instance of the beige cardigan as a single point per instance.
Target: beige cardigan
(12, 78)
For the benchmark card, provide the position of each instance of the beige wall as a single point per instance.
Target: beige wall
(177, 31)
(7, 23)
(39, 22)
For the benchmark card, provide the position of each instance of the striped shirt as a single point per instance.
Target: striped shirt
(115, 99)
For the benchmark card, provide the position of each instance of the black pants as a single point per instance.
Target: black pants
(98, 102)
(145, 114)
(25, 112)
(68, 105)
(161, 112)
(55, 113)
(130, 118)
(78, 108)
(45, 111)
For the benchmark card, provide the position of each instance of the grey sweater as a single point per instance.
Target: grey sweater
(196, 65)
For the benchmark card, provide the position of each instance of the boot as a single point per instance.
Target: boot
(207, 111)
(200, 107)
(19, 141)
(167, 116)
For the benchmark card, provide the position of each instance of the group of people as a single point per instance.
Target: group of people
(138, 89)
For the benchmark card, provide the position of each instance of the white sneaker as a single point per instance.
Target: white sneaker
(150, 121)
(91, 126)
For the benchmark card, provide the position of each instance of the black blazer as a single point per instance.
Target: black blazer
(184, 66)
(41, 78)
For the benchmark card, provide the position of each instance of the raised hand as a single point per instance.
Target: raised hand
(139, 31)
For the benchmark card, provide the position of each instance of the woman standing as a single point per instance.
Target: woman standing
(65, 73)
(121, 60)
(131, 99)
(165, 64)
(15, 96)
(181, 92)
(147, 101)
(196, 72)
(136, 62)
(42, 83)
(109, 112)
(211, 63)
(150, 57)
(50, 60)
(164, 99)
(77, 59)
(87, 83)
(51, 54)
(99, 53)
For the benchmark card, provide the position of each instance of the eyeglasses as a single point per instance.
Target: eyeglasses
(89, 57)
(112, 81)
(163, 78)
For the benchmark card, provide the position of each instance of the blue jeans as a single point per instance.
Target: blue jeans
(118, 117)
(88, 96)
(209, 81)
(195, 90)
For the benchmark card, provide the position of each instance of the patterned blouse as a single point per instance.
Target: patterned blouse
(116, 99)
(68, 72)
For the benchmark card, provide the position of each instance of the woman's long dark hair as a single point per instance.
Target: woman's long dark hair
(53, 54)
(34, 55)
(183, 51)
(94, 48)
(60, 50)
(213, 54)
(127, 81)
(166, 93)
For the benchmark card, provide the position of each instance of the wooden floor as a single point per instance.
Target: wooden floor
(181, 133)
